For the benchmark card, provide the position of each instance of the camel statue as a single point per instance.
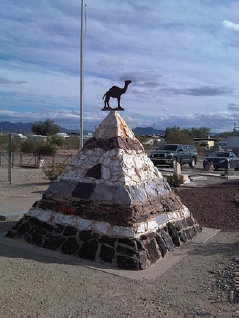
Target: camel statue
(115, 92)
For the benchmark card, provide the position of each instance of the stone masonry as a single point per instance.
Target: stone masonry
(109, 205)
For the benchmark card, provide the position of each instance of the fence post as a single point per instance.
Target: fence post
(10, 158)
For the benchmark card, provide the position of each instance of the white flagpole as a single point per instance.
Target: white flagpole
(81, 78)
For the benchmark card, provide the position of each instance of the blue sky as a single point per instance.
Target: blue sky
(182, 57)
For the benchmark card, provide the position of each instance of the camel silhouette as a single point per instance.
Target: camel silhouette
(115, 92)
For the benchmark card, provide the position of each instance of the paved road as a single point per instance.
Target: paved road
(198, 169)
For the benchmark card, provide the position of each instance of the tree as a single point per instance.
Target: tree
(170, 130)
(47, 128)
(179, 137)
(201, 132)
(224, 135)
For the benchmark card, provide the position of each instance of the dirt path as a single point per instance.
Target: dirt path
(33, 285)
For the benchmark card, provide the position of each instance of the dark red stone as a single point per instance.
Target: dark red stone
(88, 250)
(125, 250)
(161, 245)
(152, 251)
(174, 234)
(126, 262)
(113, 143)
(70, 246)
(53, 242)
(107, 253)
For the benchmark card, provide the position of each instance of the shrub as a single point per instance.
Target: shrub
(27, 147)
(45, 149)
(52, 172)
(175, 180)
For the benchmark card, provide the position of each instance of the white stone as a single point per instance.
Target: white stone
(83, 224)
(33, 212)
(185, 212)
(120, 153)
(83, 157)
(127, 179)
(140, 228)
(112, 152)
(102, 227)
(106, 154)
(57, 218)
(69, 220)
(109, 183)
(152, 184)
(44, 216)
(161, 219)
(123, 231)
(89, 152)
(128, 160)
(116, 169)
(107, 162)
(152, 225)
(116, 163)
(114, 178)
(143, 175)
(98, 152)
(105, 173)
(138, 162)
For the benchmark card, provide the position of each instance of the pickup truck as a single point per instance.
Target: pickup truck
(172, 153)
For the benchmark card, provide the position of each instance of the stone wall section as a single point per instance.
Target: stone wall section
(138, 205)
(115, 167)
(119, 251)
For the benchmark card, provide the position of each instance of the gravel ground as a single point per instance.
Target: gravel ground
(33, 285)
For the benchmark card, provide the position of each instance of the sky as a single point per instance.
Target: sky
(181, 56)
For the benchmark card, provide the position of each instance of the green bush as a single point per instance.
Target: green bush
(28, 147)
(55, 140)
(46, 149)
(52, 172)
(175, 180)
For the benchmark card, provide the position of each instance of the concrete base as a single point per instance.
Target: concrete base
(12, 215)
(150, 273)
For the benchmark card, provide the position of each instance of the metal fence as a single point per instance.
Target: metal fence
(19, 159)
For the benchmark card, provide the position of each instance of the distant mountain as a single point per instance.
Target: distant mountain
(7, 126)
(24, 128)
(147, 131)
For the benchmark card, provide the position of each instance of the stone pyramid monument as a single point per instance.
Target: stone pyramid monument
(109, 205)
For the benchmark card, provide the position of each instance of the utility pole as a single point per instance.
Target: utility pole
(10, 158)
(81, 77)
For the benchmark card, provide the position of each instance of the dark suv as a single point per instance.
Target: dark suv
(172, 153)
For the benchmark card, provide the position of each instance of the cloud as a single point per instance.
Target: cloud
(200, 91)
(174, 52)
(233, 107)
(231, 25)
(216, 121)
(7, 81)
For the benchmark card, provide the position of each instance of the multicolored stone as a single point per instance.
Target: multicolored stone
(109, 205)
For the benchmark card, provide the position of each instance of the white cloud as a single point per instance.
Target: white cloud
(231, 25)
(233, 107)
(179, 57)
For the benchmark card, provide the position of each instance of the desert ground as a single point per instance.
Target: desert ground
(201, 284)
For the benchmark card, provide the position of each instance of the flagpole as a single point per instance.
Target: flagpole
(81, 78)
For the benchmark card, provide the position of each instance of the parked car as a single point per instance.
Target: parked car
(171, 153)
(219, 158)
